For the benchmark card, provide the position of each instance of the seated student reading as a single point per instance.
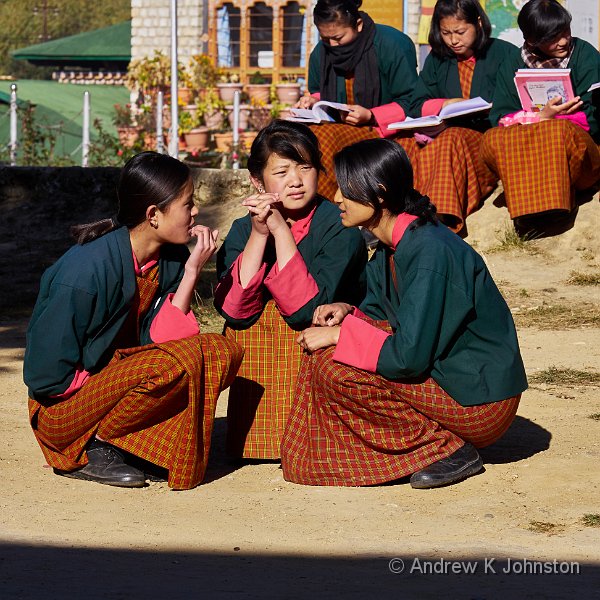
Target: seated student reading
(426, 370)
(543, 158)
(290, 254)
(114, 359)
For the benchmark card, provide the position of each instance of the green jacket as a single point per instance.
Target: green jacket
(397, 61)
(83, 302)
(439, 76)
(585, 70)
(451, 321)
(334, 255)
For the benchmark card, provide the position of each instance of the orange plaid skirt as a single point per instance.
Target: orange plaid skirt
(449, 170)
(541, 165)
(261, 395)
(349, 427)
(156, 401)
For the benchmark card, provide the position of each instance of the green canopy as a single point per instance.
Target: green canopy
(107, 45)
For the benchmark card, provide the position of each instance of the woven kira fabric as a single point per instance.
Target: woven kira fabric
(156, 401)
(261, 395)
(541, 165)
(449, 170)
(349, 427)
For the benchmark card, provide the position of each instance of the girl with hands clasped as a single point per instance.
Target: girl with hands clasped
(557, 152)
(289, 255)
(116, 368)
(428, 367)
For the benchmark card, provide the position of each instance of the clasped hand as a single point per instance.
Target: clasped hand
(264, 209)
(556, 107)
(327, 319)
(206, 245)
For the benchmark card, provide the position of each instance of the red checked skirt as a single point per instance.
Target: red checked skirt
(449, 170)
(541, 165)
(261, 395)
(156, 401)
(349, 427)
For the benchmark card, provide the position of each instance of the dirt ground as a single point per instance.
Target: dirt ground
(527, 527)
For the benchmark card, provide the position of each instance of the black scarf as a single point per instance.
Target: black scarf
(357, 57)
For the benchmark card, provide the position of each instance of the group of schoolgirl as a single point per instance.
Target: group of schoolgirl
(542, 158)
(351, 373)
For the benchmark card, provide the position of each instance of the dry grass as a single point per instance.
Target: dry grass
(543, 527)
(591, 520)
(509, 240)
(557, 376)
(558, 316)
(578, 278)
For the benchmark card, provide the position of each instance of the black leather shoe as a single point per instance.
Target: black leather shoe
(458, 466)
(107, 465)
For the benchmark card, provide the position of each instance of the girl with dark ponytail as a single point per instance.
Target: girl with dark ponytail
(114, 361)
(426, 370)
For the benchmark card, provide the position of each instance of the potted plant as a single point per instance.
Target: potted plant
(260, 115)
(223, 140)
(185, 88)
(259, 88)
(203, 74)
(211, 109)
(228, 84)
(127, 128)
(150, 74)
(287, 90)
(196, 136)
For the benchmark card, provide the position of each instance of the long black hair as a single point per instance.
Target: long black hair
(543, 21)
(146, 179)
(371, 170)
(345, 12)
(291, 140)
(464, 10)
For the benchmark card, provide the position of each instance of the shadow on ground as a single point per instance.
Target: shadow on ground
(32, 571)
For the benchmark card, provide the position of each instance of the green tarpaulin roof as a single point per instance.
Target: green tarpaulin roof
(107, 44)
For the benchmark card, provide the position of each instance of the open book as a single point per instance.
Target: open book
(322, 111)
(537, 86)
(450, 111)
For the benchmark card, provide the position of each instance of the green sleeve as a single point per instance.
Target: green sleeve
(314, 70)
(506, 100)
(431, 312)
(427, 87)
(371, 305)
(584, 73)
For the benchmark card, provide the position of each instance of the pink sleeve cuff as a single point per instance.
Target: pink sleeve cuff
(316, 95)
(359, 314)
(173, 324)
(293, 286)
(386, 115)
(521, 117)
(236, 301)
(359, 344)
(81, 376)
(432, 107)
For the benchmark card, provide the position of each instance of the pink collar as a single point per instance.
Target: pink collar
(400, 226)
(139, 270)
(300, 228)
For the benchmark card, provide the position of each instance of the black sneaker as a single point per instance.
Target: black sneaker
(458, 466)
(106, 465)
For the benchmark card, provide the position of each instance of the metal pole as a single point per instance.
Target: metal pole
(13, 124)
(85, 144)
(236, 127)
(174, 138)
(160, 146)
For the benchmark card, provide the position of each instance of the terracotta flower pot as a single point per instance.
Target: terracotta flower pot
(226, 91)
(223, 141)
(288, 93)
(244, 118)
(197, 138)
(214, 120)
(185, 95)
(259, 92)
(247, 137)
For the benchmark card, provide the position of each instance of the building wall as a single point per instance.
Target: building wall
(151, 27)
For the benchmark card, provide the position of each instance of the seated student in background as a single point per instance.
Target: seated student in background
(438, 374)
(544, 157)
(463, 63)
(369, 66)
(290, 254)
(114, 360)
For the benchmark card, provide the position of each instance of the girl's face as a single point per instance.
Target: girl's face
(353, 213)
(339, 34)
(459, 36)
(559, 48)
(175, 222)
(296, 183)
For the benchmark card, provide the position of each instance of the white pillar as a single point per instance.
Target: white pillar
(85, 143)
(160, 147)
(174, 138)
(236, 127)
(13, 124)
